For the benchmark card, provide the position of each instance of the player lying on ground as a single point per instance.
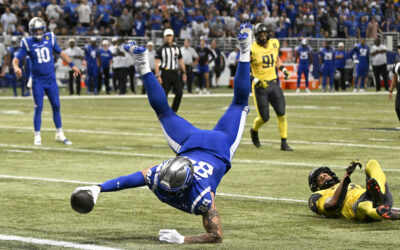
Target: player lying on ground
(188, 181)
(340, 199)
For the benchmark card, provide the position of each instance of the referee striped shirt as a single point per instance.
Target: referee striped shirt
(169, 56)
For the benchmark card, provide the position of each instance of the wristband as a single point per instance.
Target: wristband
(71, 64)
(281, 68)
(390, 91)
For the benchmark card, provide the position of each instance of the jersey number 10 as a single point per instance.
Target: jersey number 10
(43, 55)
(268, 61)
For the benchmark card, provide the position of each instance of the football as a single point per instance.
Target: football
(82, 201)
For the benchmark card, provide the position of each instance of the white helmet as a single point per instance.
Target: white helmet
(36, 24)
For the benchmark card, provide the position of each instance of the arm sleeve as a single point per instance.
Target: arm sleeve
(342, 194)
(22, 50)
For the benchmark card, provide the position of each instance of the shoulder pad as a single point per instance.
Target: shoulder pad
(312, 202)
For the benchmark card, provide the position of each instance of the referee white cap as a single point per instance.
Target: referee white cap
(168, 32)
(150, 43)
(71, 40)
(341, 44)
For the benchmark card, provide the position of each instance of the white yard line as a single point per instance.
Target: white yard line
(53, 243)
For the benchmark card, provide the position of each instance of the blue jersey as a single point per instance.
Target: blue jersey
(105, 58)
(91, 55)
(340, 63)
(327, 56)
(40, 53)
(363, 29)
(352, 28)
(362, 53)
(208, 172)
(304, 55)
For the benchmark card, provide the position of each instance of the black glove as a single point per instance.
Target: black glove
(353, 164)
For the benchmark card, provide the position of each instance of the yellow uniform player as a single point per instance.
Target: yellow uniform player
(340, 199)
(264, 63)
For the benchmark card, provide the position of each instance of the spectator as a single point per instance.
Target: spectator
(204, 30)
(105, 60)
(84, 13)
(53, 11)
(341, 27)
(283, 26)
(217, 28)
(125, 23)
(70, 14)
(340, 62)
(8, 20)
(186, 32)
(156, 20)
(77, 55)
(190, 58)
(103, 12)
(52, 25)
(362, 28)
(351, 28)
(333, 24)
(202, 67)
(140, 24)
(299, 24)
(379, 64)
(373, 28)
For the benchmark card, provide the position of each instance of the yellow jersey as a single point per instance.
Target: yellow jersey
(317, 200)
(263, 60)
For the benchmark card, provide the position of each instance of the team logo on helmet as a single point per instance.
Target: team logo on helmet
(37, 28)
(176, 176)
(313, 176)
(258, 30)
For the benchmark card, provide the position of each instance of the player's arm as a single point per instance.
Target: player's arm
(282, 68)
(66, 59)
(393, 85)
(211, 223)
(7, 59)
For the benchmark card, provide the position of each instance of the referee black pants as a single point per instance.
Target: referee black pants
(381, 70)
(121, 75)
(170, 78)
(397, 104)
(71, 83)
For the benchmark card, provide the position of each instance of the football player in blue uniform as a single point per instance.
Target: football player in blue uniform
(362, 69)
(40, 48)
(92, 58)
(188, 181)
(328, 68)
(303, 52)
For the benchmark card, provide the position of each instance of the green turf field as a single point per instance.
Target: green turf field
(118, 136)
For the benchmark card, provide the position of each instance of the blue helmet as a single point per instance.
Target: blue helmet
(36, 25)
(176, 176)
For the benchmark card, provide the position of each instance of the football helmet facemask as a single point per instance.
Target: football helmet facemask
(176, 176)
(37, 27)
(313, 177)
(258, 30)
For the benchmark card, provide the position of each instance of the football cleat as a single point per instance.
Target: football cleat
(245, 37)
(83, 199)
(285, 146)
(388, 213)
(37, 140)
(61, 138)
(254, 138)
(375, 192)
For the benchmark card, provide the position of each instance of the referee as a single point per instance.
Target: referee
(166, 68)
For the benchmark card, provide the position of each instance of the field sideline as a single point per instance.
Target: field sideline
(262, 199)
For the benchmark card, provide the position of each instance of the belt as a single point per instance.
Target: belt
(166, 69)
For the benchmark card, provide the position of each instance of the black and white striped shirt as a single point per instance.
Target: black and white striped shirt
(169, 56)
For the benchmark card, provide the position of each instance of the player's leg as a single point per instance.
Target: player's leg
(306, 72)
(324, 77)
(277, 100)
(37, 94)
(71, 82)
(397, 105)
(178, 89)
(52, 92)
(377, 187)
(299, 72)
(14, 85)
(176, 129)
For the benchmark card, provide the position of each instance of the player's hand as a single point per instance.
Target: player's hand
(184, 77)
(159, 78)
(170, 236)
(311, 68)
(18, 72)
(353, 164)
(286, 73)
(390, 95)
(76, 70)
(260, 84)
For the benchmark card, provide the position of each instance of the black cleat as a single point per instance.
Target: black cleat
(254, 138)
(388, 213)
(375, 192)
(285, 146)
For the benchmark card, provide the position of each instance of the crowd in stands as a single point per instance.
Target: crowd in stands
(207, 18)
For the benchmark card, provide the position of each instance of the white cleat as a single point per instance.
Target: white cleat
(245, 37)
(308, 91)
(355, 90)
(37, 140)
(297, 90)
(362, 90)
(61, 138)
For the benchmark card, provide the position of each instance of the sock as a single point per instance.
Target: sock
(37, 133)
(124, 182)
(242, 84)
(59, 130)
(244, 56)
(258, 122)
(282, 122)
(155, 94)
(144, 68)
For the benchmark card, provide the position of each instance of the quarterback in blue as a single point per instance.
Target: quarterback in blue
(188, 181)
(40, 48)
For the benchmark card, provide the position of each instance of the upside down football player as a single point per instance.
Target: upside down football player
(188, 181)
(334, 198)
